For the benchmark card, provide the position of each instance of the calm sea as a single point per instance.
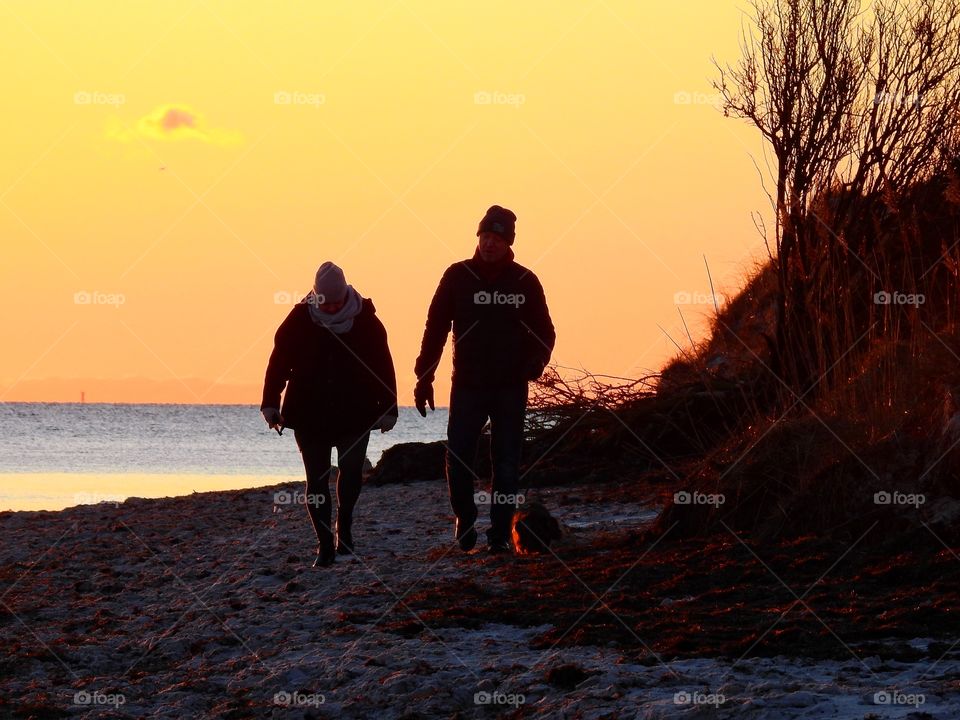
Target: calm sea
(55, 455)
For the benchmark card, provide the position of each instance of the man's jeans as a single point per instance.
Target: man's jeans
(469, 409)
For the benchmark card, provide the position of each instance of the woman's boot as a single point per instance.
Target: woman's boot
(325, 551)
(344, 537)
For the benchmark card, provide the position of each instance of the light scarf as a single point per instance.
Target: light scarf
(340, 321)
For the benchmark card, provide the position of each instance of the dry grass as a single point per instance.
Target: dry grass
(879, 413)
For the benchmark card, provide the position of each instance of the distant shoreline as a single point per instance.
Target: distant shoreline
(114, 489)
(150, 404)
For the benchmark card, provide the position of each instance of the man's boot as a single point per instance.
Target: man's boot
(466, 534)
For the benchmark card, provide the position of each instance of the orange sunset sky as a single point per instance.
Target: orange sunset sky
(174, 172)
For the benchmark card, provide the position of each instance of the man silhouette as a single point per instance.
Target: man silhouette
(503, 338)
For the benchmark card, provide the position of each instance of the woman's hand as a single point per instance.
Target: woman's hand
(272, 417)
(387, 422)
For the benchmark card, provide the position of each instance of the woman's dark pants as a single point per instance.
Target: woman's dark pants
(351, 452)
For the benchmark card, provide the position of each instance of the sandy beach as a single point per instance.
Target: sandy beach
(685, 274)
(206, 606)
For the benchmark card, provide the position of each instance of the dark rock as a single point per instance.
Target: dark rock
(409, 462)
(410, 629)
(567, 676)
(413, 462)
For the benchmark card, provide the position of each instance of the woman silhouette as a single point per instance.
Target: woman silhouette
(331, 355)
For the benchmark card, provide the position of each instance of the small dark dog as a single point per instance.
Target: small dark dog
(534, 529)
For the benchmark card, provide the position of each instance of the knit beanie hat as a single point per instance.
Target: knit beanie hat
(330, 283)
(501, 221)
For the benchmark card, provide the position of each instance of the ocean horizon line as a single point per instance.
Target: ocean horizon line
(125, 403)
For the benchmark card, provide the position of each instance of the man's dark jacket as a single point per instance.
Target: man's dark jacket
(338, 385)
(502, 332)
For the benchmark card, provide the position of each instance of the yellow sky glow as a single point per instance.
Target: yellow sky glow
(175, 172)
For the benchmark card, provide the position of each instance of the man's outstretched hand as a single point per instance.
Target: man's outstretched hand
(422, 395)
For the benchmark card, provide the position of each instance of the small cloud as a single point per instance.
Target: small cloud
(174, 122)
(175, 117)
